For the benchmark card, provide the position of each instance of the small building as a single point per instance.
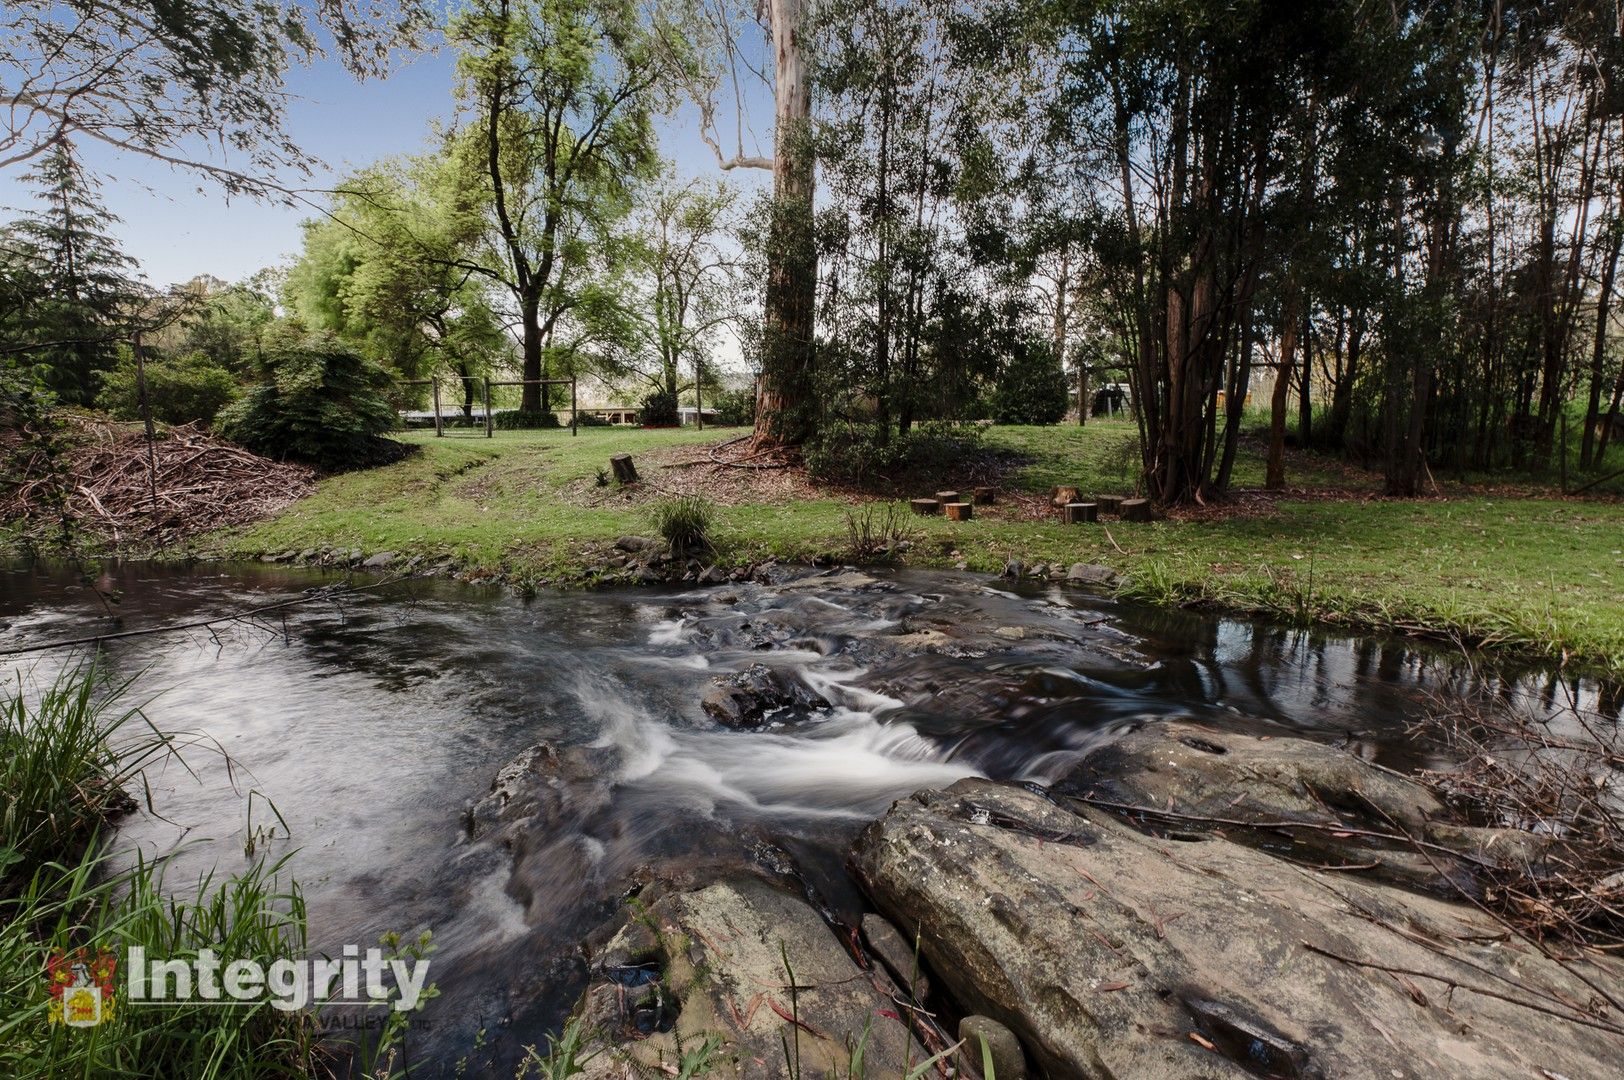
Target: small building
(688, 414)
(618, 415)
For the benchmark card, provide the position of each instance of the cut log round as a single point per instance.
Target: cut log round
(925, 506)
(945, 497)
(1109, 504)
(1135, 510)
(958, 511)
(985, 495)
(1063, 494)
(625, 471)
(1079, 512)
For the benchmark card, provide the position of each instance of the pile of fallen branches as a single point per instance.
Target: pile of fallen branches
(1560, 778)
(112, 485)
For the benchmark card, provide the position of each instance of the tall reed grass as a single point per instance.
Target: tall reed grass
(69, 755)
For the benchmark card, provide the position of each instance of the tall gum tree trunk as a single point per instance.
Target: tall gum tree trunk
(784, 394)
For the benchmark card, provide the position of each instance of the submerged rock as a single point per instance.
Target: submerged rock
(1112, 954)
(712, 963)
(744, 699)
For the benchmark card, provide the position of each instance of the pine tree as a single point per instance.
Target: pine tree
(70, 290)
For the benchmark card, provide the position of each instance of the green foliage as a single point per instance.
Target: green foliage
(33, 441)
(660, 409)
(858, 455)
(734, 408)
(71, 296)
(167, 79)
(1032, 388)
(521, 420)
(188, 388)
(685, 523)
(67, 753)
(324, 405)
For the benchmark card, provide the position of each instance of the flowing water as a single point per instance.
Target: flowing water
(353, 735)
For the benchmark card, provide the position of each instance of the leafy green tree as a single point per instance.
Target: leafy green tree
(179, 390)
(388, 271)
(1032, 387)
(72, 282)
(324, 404)
(555, 131)
(688, 278)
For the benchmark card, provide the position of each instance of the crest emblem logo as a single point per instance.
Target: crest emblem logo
(80, 984)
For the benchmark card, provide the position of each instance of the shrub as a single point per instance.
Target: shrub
(1032, 388)
(520, 420)
(735, 408)
(876, 532)
(855, 455)
(685, 523)
(660, 409)
(324, 405)
(180, 390)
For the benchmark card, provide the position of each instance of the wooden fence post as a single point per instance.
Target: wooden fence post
(488, 428)
(574, 412)
(439, 429)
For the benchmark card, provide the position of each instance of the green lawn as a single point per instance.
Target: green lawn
(1543, 576)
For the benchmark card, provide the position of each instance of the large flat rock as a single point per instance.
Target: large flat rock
(716, 963)
(1114, 954)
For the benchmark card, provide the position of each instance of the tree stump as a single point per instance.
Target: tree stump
(925, 506)
(1063, 495)
(945, 497)
(1079, 512)
(1135, 510)
(625, 471)
(1109, 504)
(984, 495)
(958, 511)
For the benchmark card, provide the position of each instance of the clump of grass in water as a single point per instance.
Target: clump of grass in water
(61, 776)
(685, 524)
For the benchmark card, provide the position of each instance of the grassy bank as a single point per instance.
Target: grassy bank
(1541, 575)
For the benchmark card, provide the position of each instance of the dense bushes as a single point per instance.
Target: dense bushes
(324, 405)
(1032, 389)
(520, 420)
(734, 408)
(855, 455)
(181, 390)
(660, 409)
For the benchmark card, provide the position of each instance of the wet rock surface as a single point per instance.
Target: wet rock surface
(1353, 813)
(749, 698)
(1112, 953)
(718, 962)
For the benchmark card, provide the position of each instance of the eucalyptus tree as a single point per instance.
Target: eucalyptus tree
(555, 132)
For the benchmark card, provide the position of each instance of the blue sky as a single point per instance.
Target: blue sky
(178, 226)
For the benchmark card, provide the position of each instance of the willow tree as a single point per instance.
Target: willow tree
(556, 130)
